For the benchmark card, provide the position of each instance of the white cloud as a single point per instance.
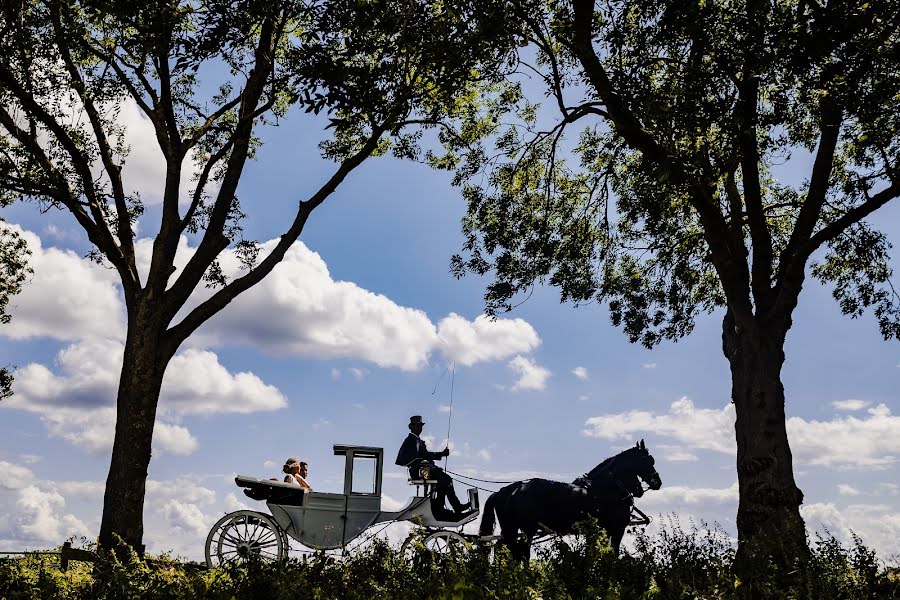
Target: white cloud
(650, 365)
(878, 525)
(174, 438)
(850, 404)
(196, 383)
(145, 167)
(845, 489)
(580, 373)
(78, 403)
(706, 429)
(185, 518)
(848, 441)
(484, 339)
(13, 476)
(67, 297)
(671, 496)
(531, 375)
(39, 518)
(308, 313)
(232, 503)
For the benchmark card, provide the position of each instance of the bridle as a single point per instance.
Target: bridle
(587, 481)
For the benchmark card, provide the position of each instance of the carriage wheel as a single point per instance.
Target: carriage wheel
(240, 536)
(440, 542)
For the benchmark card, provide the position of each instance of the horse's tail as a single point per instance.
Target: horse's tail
(489, 511)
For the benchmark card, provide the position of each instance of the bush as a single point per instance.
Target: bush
(675, 564)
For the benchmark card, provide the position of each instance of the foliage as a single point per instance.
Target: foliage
(694, 157)
(209, 76)
(14, 271)
(675, 564)
(669, 201)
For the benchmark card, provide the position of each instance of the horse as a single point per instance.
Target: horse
(606, 493)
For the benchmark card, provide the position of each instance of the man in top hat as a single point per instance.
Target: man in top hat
(413, 454)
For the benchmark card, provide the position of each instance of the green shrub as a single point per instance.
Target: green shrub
(675, 564)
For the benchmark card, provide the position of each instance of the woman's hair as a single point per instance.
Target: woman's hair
(288, 464)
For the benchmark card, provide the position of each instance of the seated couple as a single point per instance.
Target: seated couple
(296, 472)
(414, 455)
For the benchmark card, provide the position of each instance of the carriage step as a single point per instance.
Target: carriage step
(490, 538)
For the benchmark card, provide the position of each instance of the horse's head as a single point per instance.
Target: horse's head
(628, 469)
(640, 462)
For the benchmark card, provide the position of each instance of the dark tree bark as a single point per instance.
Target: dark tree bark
(768, 519)
(144, 363)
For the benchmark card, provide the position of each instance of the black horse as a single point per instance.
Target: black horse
(605, 493)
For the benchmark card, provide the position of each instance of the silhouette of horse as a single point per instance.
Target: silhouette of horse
(605, 493)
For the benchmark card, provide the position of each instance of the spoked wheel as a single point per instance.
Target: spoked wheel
(240, 536)
(439, 542)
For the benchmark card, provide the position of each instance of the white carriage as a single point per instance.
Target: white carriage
(323, 520)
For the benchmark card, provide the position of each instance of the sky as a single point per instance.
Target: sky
(361, 327)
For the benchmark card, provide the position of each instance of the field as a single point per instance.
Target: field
(675, 564)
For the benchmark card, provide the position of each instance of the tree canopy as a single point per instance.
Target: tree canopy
(718, 146)
(671, 196)
(210, 76)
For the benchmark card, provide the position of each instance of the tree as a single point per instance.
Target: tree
(14, 270)
(382, 70)
(669, 202)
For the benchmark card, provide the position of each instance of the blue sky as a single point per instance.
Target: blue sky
(351, 337)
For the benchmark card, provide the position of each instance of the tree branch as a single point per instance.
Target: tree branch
(113, 171)
(99, 233)
(214, 240)
(794, 256)
(180, 332)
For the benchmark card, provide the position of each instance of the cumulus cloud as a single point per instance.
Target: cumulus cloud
(185, 518)
(581, 373)
(13, 476)
(310, 314)
(484, 339)
(847, 441)
(33, 516)
(531, 375)
(77, 403)
(67, 297)
(878, 525)
(872, 441)
(306, 312)
(707, 429)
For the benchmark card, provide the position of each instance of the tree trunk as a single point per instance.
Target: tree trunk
(769, 524)
(143, 367)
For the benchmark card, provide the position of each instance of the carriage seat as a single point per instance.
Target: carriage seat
(275, 492)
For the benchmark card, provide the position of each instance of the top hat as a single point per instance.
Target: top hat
(416, 420)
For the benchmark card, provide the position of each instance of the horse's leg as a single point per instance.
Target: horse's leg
(509, 529)
(616, 531)
(530, 531)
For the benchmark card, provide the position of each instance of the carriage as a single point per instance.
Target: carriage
(327, 521)
(527, 510)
